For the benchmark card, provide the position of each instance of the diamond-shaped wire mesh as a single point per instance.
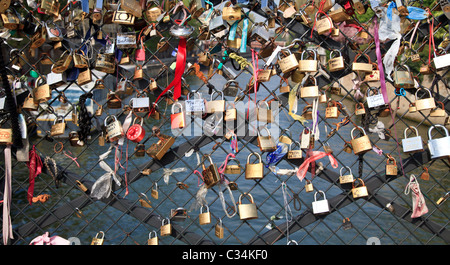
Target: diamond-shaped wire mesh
(284, 208)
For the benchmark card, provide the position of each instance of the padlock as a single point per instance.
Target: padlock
(309, 91)
(122, 17)
(294, 154)
(362, 67)
(362, 144)
(305, 65)
(41, 92)
(438, 112)
(210, 174)
(10, 20)
(30, 104)
(360, 190)
(426, 103)
(54, 33)
(343, 179)
(426, 69)
(233, 169)
(6, 136)
(38, 38)
(63, 63)
(286, 88)
(339, 15)
(177, 120)
(98, 239)
(230, 112)
(105, 62)
(264, 114)
(74, 139)
(412, 144)
(247, 211)
(336, 63)
(415, 57)
(439, 148)
(218, 229)
(58, 127)
(160, 148)
(140, 105)
(79, 60)
(402, 78)
(139, 150)
(153, 84)
(391, 166)
(136, 132)
(254, 171)
(235, 44)
(153, 239)
(132, 7)
(215, 105)
(309, 187)
(99, 84)
(286, 139)
(264, 75)
(84, 77)
(113, 101)
(144, 201)
(359, 109)
(166, 227)
(412, 107)
(217, 24)
(374, 76)
(138, 72)
(321, 206)
(259, 32)
(375, 100)
(205, 217)
(307, 112)
(323, 25)
(266, 143)
(288, 63)
(153, 11)
(441, 61)
(195, 105)
(231, 13)
(332, 111)
(114, 128)
(297, 76)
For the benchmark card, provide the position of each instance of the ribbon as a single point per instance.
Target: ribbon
(293, 105)
(288, 172)
(102, 188)
(46, 240)
(321, 6)
(168, 172)
(7, 226)
(35, 168)
(314, 155)
(378, 129)
(222, 167)
(379, 61)
(418, 201)
(356, 86)
(243, 47)
(232, 32)
(277, 155)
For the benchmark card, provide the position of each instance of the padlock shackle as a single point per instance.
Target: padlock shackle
(360, 128)
(108, 117)
(323, 193)
(306, 78)
(254, 154)
(333, 51)
(373, 88)
(294, 142)
(246, 194)
(360, 182)
(216, 91)
(349, 169)
(410, 128)
(102, 234)
(203, 160)
(150, 234)
(309, 52)
(267, 130)
(434, 126)
(162, 221)
(195, 93)
(361, 54)
(429, 92)
(201, 208)
(263, 101)
(58, 118)
(173, 107)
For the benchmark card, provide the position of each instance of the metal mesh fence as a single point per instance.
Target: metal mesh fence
(147, 193)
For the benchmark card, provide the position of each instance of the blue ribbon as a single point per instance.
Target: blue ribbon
(416, 13)
(275, 156)
(244, 36)
(233, 30)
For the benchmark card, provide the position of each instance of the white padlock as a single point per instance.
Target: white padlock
(440, 147)
(412, 144)
(320, 207)
(375, 100)
(441, 61)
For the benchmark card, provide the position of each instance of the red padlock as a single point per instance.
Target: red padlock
(136, 132)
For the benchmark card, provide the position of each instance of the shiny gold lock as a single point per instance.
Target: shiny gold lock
(113, 101)
(307, 112)
(294, 154)
(412, 107)
(339, 15)
(360, 191)
(58, 127)
(215, 105)
(233, 169)
(264, 115)
(297, 76)
(403, 79)
(359, 109)
(324, 25)
(205, 217)
(332, 111)
(425, 69)
(160, 148)
(438, 112)
(362, 144)
(41, 93)
(426, 103)
(29, 104)
(235, 44)
(285, 139)
(231, 13)
(230, 113)
(218, 230)
(254, 171)
(210, 174)
(63, 63)
(288, 63)
(264, 75)
(79, 60)
(6, 136)
(362, 67)
(84, 77)
(286, 88)
(138, 73)
(309, 186)
(98, 239)
(153, 239)
(336, 63)
(154, 193)
(153, 11)
(391, 166)
(247, 211)
(305, 65)
(374, 76)
(343, 179)
(266, 143)
(309, 91)
(153, 85)
(144, 201)
(166, 227)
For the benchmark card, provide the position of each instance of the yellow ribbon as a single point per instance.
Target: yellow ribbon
(292, 100)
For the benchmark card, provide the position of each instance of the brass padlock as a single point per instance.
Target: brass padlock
(391, 166)
(286, 88)
(114, 128)
(297, 76)
(230, 113)
(402, 78)
(162, 45)
(264, 75)
(336, 63)
(160, 148)
(286, 139)
(6, 136)
(288, 63)
(38, 38)
(323, 25)
(113, 101)
(374, 76)
(153, 239)
(359, 109)
(247, 211)
(210, 174)
(98, 239)
(426, 103)
(63, 63)
(138, 73)
(339, 15)
(84, 77)
(99, 84)
(362, 144)
(231, 13)
(332, 111)
(266, 143)
(79, 60)
(362, 67)
(144, 201)
(205, 217)
(412, 107)
(438, 112)
(215, 105)
(307, 112)
(218, 230)
(415, 57)
(41, 93)
(166, 227)
(233, 169)
(123, 17)
(346, 178)
(139, 150)
(153, 11)
(308, 186)
(153, 84)
(254, 171)
(309, 91)
(105, 62)
(359, 191)
(58, 127)
(305, 65)
(10, 20)
(264, 115)
(294, 154)
(74, 139)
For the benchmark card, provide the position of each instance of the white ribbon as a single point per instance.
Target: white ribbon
(102, 188)
(273, 55)
(7, 226)
(168, 172)
(125, 126)
(279, 172)
(378, 129)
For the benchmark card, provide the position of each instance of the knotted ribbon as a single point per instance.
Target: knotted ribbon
(314, 155)
(379, 129)
(35, 168)
(103, 186)
(168, 172)
(46, 240)
(7, 226)
(418, 201)
(380, 62)
(293, 105)
(356, 86)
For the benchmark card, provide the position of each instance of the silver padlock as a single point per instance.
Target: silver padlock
(376, 100)
(195, 105)
(259, 33)
(439, 148)
(140, 105)
(217, 24)
(113, 129)
(441, 61)
(412, 144)
(320, 207)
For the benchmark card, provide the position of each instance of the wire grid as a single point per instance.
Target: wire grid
(117, 215)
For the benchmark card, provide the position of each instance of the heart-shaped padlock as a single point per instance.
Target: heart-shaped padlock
(136, 132)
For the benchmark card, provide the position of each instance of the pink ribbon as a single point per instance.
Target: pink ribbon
(356, 86)
(46, 240)
(315, 155)
(7, 226)
(380, 62)
(221, 169)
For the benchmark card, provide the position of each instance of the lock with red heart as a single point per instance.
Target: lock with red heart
(136, 132)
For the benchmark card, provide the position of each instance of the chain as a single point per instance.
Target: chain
(53, 173)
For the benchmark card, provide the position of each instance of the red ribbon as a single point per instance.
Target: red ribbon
(35, 168)
(315, 155)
